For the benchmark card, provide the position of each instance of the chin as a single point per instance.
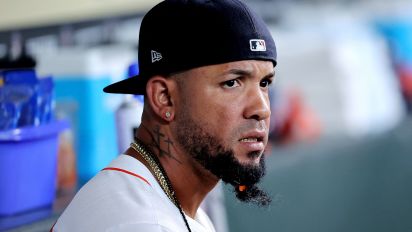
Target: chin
(250, 158)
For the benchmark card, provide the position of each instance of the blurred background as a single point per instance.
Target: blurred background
(340, 152)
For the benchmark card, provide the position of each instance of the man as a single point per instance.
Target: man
(205, 70)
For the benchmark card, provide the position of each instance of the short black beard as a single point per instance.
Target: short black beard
(221, 162)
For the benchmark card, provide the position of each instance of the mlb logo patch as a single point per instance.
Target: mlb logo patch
(257, 45)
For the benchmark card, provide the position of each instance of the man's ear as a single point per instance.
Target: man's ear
(158, 91)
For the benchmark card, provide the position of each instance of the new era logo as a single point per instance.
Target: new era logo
(257, 45)
(156, 56)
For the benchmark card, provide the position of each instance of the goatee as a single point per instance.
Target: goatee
(221, 162)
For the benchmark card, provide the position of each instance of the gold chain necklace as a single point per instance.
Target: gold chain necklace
(148, 157)
(160, 175)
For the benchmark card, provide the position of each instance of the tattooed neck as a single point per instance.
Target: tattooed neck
(159, 140)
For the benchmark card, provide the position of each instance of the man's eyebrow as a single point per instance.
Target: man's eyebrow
(242, 72)
(270, 75)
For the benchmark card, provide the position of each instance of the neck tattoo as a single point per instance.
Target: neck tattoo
(160, 174)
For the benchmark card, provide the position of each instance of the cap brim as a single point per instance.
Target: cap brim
(133, 85)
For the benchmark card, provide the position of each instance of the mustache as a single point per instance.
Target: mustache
(251, 126)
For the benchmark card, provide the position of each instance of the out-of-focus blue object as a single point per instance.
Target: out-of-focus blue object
(24, 99)
(399, 35)
(133, 69)
(79, 76)
(28, 158)
(12, 99)
(9, 222)
(25, 108)
(19, 76)
(45, 100)
(81, 98)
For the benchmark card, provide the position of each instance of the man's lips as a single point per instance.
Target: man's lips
(253, 141)
(254, 136)
(247, 140)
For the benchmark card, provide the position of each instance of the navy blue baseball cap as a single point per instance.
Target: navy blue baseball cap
(178, 35)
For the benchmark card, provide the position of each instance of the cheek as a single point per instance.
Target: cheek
(217, 115)
(222, 119)
(220, 107)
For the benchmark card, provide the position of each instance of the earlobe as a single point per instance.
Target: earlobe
(158, 94)
(168, 116)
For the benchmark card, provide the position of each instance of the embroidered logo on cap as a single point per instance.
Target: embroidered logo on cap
(156, 56)
(257, 45)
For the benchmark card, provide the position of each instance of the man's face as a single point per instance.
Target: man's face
(231, 102)
(222, 118)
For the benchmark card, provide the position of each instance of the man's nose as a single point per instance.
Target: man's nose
(258, 105)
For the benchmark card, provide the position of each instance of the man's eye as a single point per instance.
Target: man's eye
(231, 83)
(265, 83)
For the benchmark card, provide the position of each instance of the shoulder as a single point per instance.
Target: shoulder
(132, 227)
(115, 196)
(123, 197)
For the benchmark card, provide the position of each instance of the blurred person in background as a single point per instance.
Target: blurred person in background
(205, 71)
(292, 120)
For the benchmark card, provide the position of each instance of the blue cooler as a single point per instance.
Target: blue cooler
(28, 159)
(80, 76)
